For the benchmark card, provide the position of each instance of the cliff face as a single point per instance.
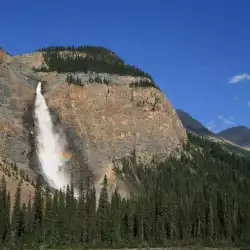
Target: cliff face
(16, 93)
(102, 122)
(109, 122)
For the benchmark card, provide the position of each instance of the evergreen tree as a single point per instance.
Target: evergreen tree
(16, 217)
(82, 216)
(115, 217)
(54, 236)
(103, 214)
(23, 226)
(38, 232)
(48, 217)
(5, 213)
(29, 224)
(61, 216)
(91, 214)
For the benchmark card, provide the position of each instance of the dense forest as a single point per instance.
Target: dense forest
(88, 59)
(202, 198)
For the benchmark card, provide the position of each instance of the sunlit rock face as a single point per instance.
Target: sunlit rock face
(101, 123)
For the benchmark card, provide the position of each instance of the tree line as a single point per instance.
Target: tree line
(91, 50)
(71, 79)
(202, 198)
(97, 59)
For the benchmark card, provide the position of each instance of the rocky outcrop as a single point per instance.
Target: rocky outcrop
(102, 122)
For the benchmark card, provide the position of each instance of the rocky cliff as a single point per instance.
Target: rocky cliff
(104, 120)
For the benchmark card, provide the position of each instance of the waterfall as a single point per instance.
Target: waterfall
(50, 145)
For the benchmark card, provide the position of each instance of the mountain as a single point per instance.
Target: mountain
(120, 130)
(239, 135)
(192, 124)
(107, 109)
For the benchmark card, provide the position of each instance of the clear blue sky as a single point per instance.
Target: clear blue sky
(191, 48)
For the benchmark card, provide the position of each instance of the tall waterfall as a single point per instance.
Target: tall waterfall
(50, 146)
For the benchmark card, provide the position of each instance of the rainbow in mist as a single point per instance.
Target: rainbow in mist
(65, 157)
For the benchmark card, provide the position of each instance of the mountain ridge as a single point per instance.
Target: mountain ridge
(237, 135)
(191, 124)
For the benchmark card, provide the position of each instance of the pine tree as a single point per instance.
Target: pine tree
(67, 217)
(115, 214)
(5, 213)
(38, 231)
(91, 214)
(210, 220)
(29, 224)
(82, 216)
(61, 216)
(103, 214)
(48, 216)
(54, 237)
(73, 211)
(23, 226)
(16, 217)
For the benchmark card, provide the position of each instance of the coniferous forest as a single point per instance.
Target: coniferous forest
(200, 198)
(70, 59)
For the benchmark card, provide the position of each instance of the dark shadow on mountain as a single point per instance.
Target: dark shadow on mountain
(192, 124)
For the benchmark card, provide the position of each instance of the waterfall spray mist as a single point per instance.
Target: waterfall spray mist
(50, 146)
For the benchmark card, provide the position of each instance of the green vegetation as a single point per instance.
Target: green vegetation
(200, 199)
(88, 59)
(95, 51)
(142, 83)
(98, 79)
(70, 79)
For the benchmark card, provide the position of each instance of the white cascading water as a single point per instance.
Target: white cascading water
(50, 147)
